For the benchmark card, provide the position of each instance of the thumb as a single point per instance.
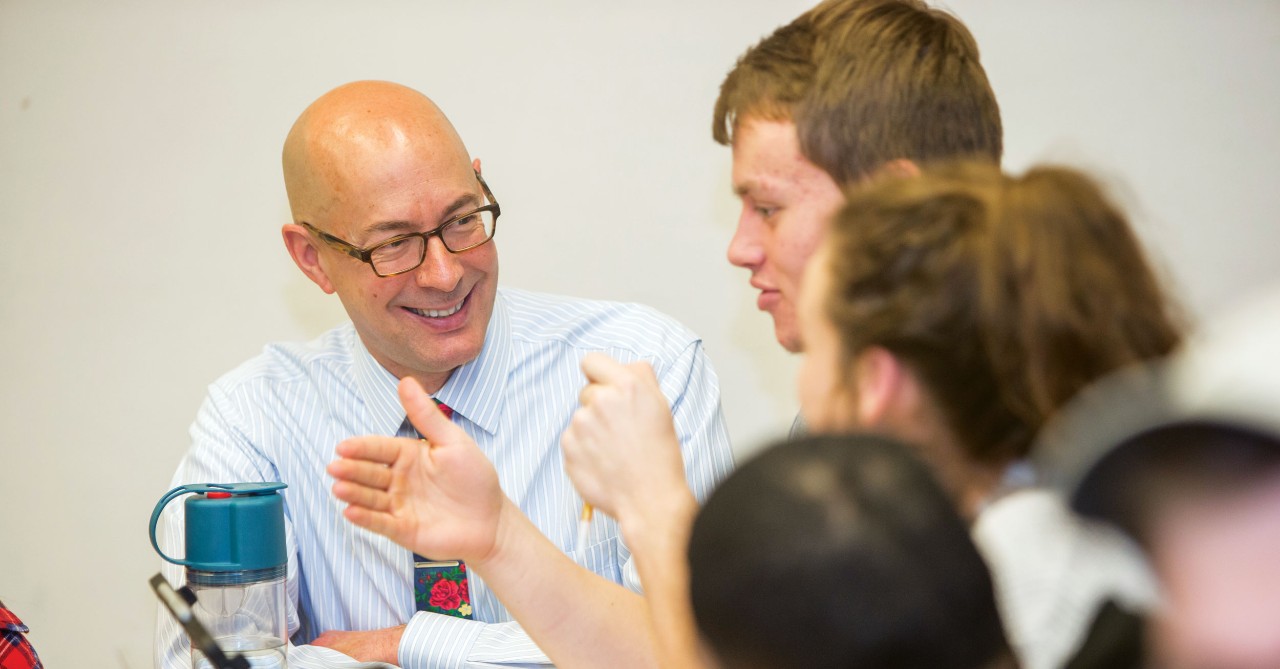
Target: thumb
(600, 368)
(424, 414)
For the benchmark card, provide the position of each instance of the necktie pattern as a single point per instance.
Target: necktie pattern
(440, 586)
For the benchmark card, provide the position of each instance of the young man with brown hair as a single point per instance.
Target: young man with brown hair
(844, 90)
(848, 88)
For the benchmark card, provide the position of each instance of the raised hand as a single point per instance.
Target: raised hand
(623, 455)
(438, 497)
(621, 449)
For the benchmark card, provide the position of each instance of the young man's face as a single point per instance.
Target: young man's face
(786, 204)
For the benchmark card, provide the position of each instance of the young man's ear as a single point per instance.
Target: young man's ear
(898, 168)
(302, 248)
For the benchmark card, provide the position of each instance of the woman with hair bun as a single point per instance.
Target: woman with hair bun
(958, 311)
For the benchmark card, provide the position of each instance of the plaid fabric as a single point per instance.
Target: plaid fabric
(15, 651)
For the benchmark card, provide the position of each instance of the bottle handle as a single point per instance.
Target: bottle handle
(155, 518)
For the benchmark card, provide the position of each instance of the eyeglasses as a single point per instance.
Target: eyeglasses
(405, 253)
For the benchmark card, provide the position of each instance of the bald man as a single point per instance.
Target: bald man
(391, 213)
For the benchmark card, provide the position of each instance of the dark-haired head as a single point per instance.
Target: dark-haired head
(1152, 473)
(840, 551)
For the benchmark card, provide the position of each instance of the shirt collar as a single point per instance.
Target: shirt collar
(378, 390)
(474, 390)
(9, 621)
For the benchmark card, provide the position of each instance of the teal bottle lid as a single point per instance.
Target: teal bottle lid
(229, 526)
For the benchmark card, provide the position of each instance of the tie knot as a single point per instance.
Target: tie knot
(444, 409)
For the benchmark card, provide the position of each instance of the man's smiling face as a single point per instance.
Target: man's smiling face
(365, 166)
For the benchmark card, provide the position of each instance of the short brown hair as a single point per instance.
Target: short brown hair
(866, 82)
(1006, 295)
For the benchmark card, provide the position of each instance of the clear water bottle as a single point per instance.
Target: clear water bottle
(236, 566)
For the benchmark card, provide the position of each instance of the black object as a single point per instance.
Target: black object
(1115, 641)
(179, 604)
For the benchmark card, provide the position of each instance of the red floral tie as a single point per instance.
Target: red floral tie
(440, 586)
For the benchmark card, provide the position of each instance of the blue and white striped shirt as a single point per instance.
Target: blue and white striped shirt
(279, 416)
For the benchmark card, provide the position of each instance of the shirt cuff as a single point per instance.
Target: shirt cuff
(435, 641)
(508, 645)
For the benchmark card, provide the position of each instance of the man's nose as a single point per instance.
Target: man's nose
(746, 249)
(440, 269)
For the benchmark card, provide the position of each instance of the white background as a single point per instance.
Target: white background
(141, 201)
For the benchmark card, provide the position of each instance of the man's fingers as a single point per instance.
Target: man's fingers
(375, 521)
(424, 414)
(357, 495)
(361, 472)
(382, 450)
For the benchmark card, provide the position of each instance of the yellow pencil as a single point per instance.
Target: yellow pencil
(584, 524)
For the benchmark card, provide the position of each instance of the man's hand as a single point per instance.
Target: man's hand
(440, 498)
(372, 646)
(621, 449)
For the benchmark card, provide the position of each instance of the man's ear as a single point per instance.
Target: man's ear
(879, 378)
(898, 168)
(475, 165)
(302, 248)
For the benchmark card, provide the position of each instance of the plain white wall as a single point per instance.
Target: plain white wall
(140, 203)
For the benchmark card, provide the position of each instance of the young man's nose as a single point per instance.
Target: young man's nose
(746, 248)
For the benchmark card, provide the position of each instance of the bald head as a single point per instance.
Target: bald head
(354, 132)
